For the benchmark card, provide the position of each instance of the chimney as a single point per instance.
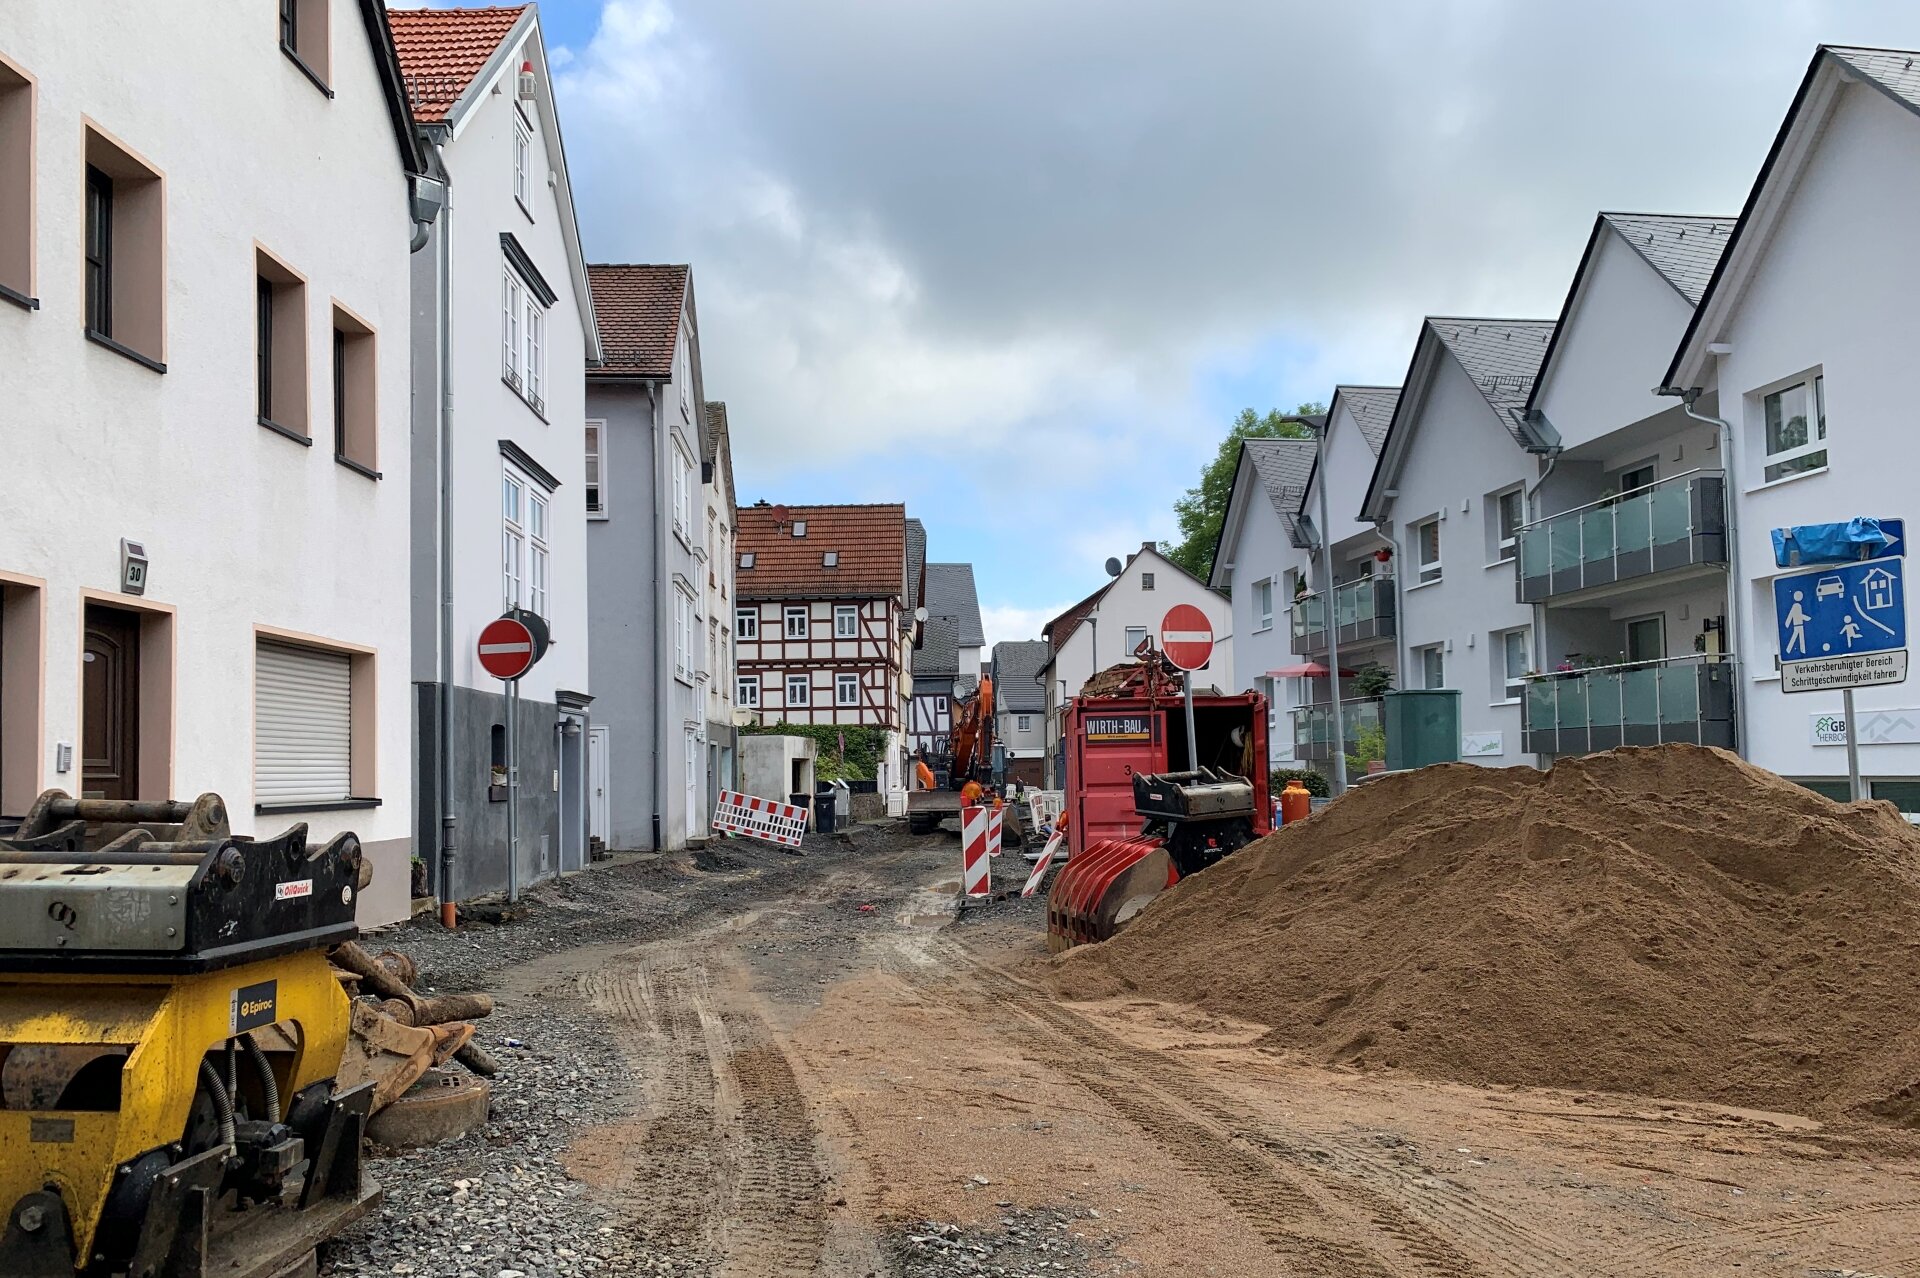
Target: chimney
(1146, 545)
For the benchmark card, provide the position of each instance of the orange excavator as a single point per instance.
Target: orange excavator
(969, 759)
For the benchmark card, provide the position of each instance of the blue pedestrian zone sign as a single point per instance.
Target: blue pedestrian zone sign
(1842, 625)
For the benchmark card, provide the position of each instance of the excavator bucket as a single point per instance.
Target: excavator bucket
(1099, 890)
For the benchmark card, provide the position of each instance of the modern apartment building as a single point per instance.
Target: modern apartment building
(191, 600)
(503, 327)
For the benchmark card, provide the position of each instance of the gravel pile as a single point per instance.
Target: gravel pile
(1037, 1243)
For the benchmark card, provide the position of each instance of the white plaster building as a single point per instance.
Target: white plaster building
(1801, 343)
(716, 601)
(504, 326)
(1106, 627)
(1020, 709)
(192, 596)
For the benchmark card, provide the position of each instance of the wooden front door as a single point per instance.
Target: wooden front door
(110, 740)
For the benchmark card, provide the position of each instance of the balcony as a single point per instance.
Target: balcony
(1642, 703)
(1363, 610)
(1313, 726)
(1676, 523)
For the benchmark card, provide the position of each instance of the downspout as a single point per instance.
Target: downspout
(662, 704)
(1399, 634)
(1532, 502)
(1736, 583)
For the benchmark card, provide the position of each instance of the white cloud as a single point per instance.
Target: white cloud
(1006, 623)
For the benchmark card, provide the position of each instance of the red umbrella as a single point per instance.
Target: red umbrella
(1306, 670)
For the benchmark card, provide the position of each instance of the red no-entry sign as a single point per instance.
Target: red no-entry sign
(507, 648)
(1186, 636)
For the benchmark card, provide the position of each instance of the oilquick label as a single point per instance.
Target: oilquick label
(50, 1131)
(255, 1005)
(289, 891)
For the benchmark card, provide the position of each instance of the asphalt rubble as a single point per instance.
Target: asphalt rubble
(1040, 1242)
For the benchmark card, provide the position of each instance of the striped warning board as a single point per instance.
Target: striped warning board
(996, 818)
(1040, 866)
(757, 818)
(974, 876)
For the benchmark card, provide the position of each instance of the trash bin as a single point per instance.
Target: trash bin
(811, 804)
(823, 811)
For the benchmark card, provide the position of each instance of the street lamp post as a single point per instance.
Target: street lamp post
(1318, 423)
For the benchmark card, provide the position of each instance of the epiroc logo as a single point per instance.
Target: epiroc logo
(255, 1005)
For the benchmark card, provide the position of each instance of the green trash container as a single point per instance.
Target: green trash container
(1423, 727)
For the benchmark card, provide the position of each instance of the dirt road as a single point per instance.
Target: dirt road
(809, 1066)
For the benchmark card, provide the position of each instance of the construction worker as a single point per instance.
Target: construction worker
(970, 793)
(922, 773)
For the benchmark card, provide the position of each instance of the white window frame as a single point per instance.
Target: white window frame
(1263, 603)
(1437, 651)
(1023, 723)
(746, 622)
(849, 614)
(1128, 642)
(513, 295)
(1505, 546)
(513, 535)
(682, 491)
(846, 690)
(536, 353)
(523, 326)
(522, 163)
(594, 439)
(539, 554)
(1146, 581)
(1513, 686)
(682, 635)
(1814, 382)
(684, 375)
(746, 691)
(1427, 571)
(803, 682)
(802, 613)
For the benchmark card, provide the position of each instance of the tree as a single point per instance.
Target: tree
(1201, 510)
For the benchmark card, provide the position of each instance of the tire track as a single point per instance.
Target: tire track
(776, 1216)
(1671, 1257)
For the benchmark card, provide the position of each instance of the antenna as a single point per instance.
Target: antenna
(780, 514)
(1113, 567)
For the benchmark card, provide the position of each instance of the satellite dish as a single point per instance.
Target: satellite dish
(780, 514)
(919, 614)
(1113, 567)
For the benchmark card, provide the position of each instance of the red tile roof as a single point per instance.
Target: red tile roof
(871, 542)
(441, 50)
(638, 308)
(1061, 628)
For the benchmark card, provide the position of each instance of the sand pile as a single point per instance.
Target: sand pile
(1671, 922)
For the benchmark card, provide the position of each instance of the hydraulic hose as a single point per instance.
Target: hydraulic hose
(268, 1086)
(222, 1102)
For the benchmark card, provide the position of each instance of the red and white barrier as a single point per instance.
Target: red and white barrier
(763, 819)
(974, 875)
(996, 818)
(1040, 866)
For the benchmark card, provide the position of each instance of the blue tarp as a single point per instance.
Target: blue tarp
(1827, 543)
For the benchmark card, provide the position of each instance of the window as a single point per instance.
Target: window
(523, 327)
(525, 561)
(746, 623)
(830, 560)
(123, 249)
(846, 621)
(939, 705)
(535, 364)
(799, 527)
(799, 691)
(513, 302)
(355, 394)
(713, 651)
(682, 490)
(312, 724)
(1646, 638)
(682, 375)
(303, 37)
(1512, 660)
(846, 690)
(746, 690)
(1509, 512)
(280, 346)
(1263, 604)
(1426, 541)
(1136, 635)
(16, 186)
(1433, 667)
(682, 635)
(1796, 429)
(1146, 581)
(797, 616)
(1636, 477)
(746, 559)
(1022, 722)
(522, 162)
(596, 482)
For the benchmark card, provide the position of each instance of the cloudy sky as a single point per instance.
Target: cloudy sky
(1019, 264)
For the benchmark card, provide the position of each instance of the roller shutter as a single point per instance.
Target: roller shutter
(302, 725)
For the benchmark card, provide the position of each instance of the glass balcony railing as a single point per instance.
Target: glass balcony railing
(1671, 524)
(1313, 725)
(1363, 610)
(1641, 703)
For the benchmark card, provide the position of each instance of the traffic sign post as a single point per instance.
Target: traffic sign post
(1843, 625)
(507, 648)
(1186, 636)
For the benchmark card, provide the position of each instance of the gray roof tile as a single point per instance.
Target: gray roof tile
(938, 655)
(916, 560)
(1015, 664)
(1502, 357)
(1372, 408)
(951, 593)
(1895, 70)
(1682, 248)
(1282, 467)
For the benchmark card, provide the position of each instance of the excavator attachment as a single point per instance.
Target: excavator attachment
(1098, 891)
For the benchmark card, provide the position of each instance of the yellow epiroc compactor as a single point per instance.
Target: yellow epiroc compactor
(169, 1037)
